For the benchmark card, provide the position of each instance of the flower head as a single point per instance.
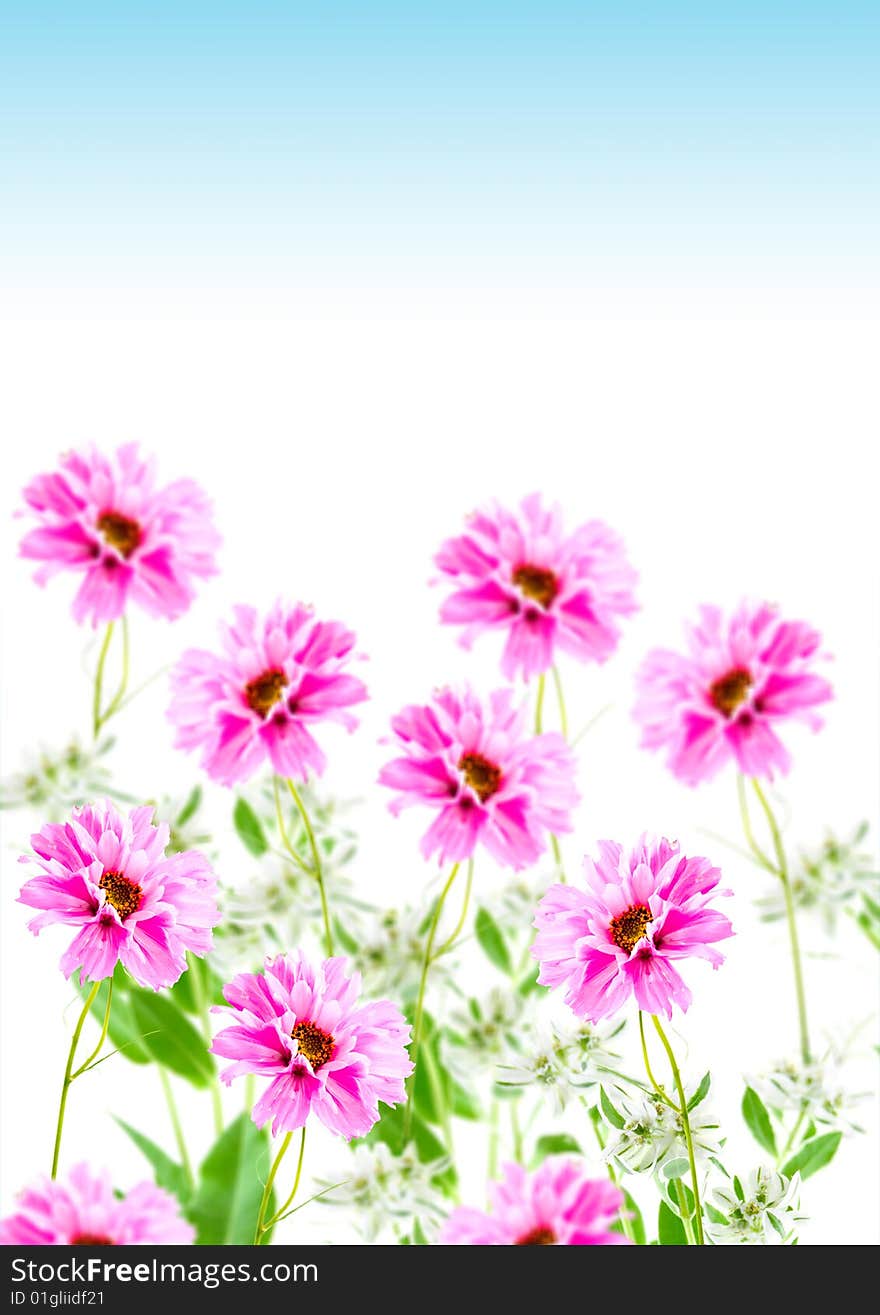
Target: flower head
(811, 1092)
(259, 700)
(642, 911)
(560, 1061)
(549, 591)
(324, 1053)
(84, 1210)
(557, 1205)
(742, 678)
(762, 1210)
(104, 518)
(387, 1192)
(489, 781)
(652, 1137)
(107, 874)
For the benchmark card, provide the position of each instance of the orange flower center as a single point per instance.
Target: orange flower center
(92, 1240)
(483, 777)
(123, 893)
(538, 1237)
(536, 583)
(315, 1044)
(628, 928)
(263, 693)
(121, 533)
(730, 691)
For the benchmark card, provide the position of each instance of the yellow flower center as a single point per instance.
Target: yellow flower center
(123, 893)
(315, 1044)
(483, 777)
(730, 691)
(538, 1237)
(536, 583)
(121, 533)
(628, 928)
(263, 693)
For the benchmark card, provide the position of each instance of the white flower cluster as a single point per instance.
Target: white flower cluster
(814, 1092)
(387, 1193)
(763, 1209)
(648, 1134)
(561, 1060)
(838, 876)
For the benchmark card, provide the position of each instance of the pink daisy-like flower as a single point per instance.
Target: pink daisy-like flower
(641, 912)
(742, 676)
(490, 781)
(104, 518)
(325, 1053)
(107, 874)
(548, 590)
(558, 1205)
(257, 701)
(85, 1211)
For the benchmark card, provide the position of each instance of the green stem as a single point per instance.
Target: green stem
(196, 967)
(68, 1074)
(316, 859)
(448, 944)
(179, 1139)
(557, 855)
(439, 1097)
(492, 1167)
(797, 965)
(116, 702)
(420, 1000)
(539, 704)
(282, 830)
(98, 1048)
(563, 716)
(516, 1133)
(98, 693)
(267, 1190)
(279, 1214)
(683, 1212)
(796, 1127)
(625, 1221)
(653, 1081)
(752, 843)
(686, 1124)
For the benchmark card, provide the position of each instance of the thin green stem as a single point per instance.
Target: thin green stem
(316, 859)
(557, 855)
(450, 941)
(267, 1190)
(797, 964)
(439, 1096)
(560, 699)
(279, 1214)
(516, 1133)
(196, 967)
(653, 1081)
(116, 702)
(752, 843)
(492, 1166)
(683, 1212)
(98, 693)
(796, 1127)
(686, 1124)
(68, 1074)
(282, 830)
(99, 1047)
(539, 704)
(420, 1000)
(179, 1139)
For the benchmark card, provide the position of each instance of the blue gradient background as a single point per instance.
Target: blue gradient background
(548, 143)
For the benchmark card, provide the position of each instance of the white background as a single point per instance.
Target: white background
(728, 436)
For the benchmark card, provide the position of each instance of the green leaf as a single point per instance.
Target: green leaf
(123, 1031)
(226, 1203)
(431, 1084)
(429, 1148)
(757, 1120)
(611, 1114)
(462, 1102)
(348, 943)
(674, 1168)
(529, 982)
(249, 828)
(171, 1039)
(680, 1197)
(813, 1155)
(492, 941)
(167, 1172)
(701, 1092)
(418, 1237)
(670, 1229)
(555, 1143)
(636, 1222)
(190, 808)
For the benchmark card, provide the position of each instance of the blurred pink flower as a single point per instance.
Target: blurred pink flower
(325, 1054)
(490, 781)
(83, 1210)
(642, 911)
(548, 590)
(104, 518)
(558, 1205)
(257, 701)
(108, 875)
(741, 678)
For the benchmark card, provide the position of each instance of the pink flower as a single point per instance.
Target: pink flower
(558, 1205)
(741, 677)
(642, 911)
(108, 875)
(258, 699)
(325, 1054)
(488, 779)
(84, 1211)
(104, 518)
(522, 574)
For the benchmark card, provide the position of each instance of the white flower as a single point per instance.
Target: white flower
(481, 1032)
(761, 1210)
(513, 905)
(387, 948)
(561, 1061)
(813, 1092)
(388, 1193)
(836, 877)
(652, 1136)
(55, 782)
